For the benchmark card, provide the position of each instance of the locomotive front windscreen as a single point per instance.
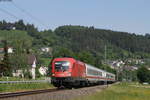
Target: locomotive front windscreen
(62, 65)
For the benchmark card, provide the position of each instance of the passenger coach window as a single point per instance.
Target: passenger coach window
(62, 65)
(94, 72)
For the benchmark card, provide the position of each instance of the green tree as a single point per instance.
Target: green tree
(19, 25)
(143, 74)
(20, 42)
(5, 66)
(86, 57)
(63, 52)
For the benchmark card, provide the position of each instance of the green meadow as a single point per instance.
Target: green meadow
(122, 91)
(23, 87)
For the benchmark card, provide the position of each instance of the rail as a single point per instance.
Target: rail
(14, 94)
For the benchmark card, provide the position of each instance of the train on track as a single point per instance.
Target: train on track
(69, 72)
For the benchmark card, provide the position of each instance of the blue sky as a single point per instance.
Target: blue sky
(119, 15)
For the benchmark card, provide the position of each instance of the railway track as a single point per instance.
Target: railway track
(14, 94)
(52, 94)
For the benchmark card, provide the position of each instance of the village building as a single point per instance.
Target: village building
(43, 70)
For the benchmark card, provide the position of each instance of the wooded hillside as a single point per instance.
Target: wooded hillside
(87, 44)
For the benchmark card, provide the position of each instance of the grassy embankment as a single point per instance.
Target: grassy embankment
(23, 87)
(122, 91)
(19, 79)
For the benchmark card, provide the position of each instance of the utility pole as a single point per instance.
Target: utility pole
(117, 72)
(105, 53)
(105, 62)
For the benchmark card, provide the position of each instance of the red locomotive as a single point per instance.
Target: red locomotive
(69, 73)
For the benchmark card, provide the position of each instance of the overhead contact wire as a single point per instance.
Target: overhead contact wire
(8, 13)
(29, 14)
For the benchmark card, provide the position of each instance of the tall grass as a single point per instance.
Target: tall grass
(18, 79)
(23, 87)
(123, 91)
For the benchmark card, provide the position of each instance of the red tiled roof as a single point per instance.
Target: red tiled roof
(1, 48)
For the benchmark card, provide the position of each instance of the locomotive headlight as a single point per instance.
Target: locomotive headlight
(69, 73)
(53, 74)
(66, 64)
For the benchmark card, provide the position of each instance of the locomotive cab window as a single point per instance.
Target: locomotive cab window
(62, 65)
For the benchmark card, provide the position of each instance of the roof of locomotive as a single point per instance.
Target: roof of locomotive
(64, 59)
